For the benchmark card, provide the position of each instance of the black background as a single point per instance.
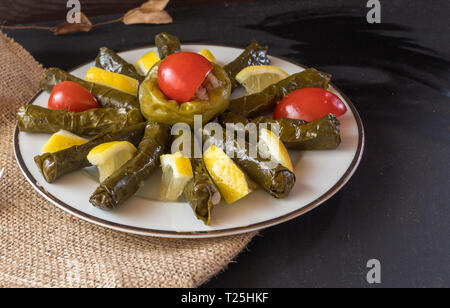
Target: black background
(396, 208)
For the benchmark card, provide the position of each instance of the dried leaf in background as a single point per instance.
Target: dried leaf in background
(151, 12)
(85, 25)
(139, 17)
(155, 5)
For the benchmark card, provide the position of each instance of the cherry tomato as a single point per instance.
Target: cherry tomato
(181, 74)
(309, 104)
(71, 96)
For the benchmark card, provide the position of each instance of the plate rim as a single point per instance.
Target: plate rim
(206, 233)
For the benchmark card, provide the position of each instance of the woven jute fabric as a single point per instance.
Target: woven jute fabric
(42, 246)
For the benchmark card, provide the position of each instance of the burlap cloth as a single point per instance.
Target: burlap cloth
(42, 246)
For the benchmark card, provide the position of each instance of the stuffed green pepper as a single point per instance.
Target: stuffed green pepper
(183, 85)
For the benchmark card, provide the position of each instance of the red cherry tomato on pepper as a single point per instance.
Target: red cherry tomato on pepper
(309, 104)
(71, 96)
(181, 74)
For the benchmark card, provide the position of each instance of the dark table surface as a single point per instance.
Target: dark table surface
(396, 208)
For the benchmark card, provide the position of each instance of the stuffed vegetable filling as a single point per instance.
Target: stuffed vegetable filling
(211, 83)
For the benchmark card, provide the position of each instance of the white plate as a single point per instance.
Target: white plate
(320, 174)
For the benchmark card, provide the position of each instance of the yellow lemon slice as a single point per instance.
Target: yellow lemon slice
(110, 156)
(208, 55)
(62, 140)
(274, 148)
(231, 181)
(146, 62)
(113, 80)
(257, 78)
(177, 171)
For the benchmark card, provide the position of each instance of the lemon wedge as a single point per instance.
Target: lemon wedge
(229, 178)
(257, 78)
(62, 140)
(208, 55)
(274, 148)
(113, 80)
(177, 171)
(146, 62)
(110, 156)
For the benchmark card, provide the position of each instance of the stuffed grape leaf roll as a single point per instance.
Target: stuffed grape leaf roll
(322, 134)
(110, 61)
(36, 119)
(265, 101)
(200, 192)
(126, 180)
(106, 96)
(274, 178)
(254, 54)
(167, 44)
(54, 165)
